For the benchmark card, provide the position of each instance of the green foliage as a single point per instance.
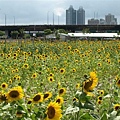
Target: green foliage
(27, 36)
(39, 34)
(2, 33)
(62, 31)
(47, 31)
(14, 34)
(21, 33)
(85, 30)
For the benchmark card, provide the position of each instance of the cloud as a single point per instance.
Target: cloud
(59, 11)
(35, 11)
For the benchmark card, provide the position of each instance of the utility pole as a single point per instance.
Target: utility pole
(53, 18)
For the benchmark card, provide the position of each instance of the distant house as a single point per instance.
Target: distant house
(51, 37)
(80, 36)
(64, 36)
(93, 35)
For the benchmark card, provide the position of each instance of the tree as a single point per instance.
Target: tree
(26, 36)
(14, 34)
(62, 31)
(57, 34)
(39, 34)
(47, 31)
(21, 33)
(2, 33)
(85, 30)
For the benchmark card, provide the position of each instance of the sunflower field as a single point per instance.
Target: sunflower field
(73, 80)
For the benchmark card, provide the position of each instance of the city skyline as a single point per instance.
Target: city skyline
(75, 17)
(29, 12)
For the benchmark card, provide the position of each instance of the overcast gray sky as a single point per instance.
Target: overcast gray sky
(37, 11)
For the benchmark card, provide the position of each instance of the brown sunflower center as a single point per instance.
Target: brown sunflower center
(37, 98)
(3, 97)
(14, 94)
(100, 98)
(26, 66)
(46, 95)
(88, 84)
(3, 86)
(61, 91)
(51, 112)
(58, 101)
(19, 112)
(117, 107)
(118, 82)
(29, 102)
(61, 71)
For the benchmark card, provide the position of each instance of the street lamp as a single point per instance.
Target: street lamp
(48, 18)
(5, 19)
(53, 18)
(58, 19)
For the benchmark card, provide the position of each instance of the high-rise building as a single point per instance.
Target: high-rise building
(110, 19)
(71, 16)
(102, 22)
(80, 16)
(93, 21)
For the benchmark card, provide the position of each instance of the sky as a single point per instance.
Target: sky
(39, 12)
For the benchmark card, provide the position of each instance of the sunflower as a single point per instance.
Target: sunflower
(77, 85)
(18, 77)
(54, 68)
(99, 101)
(74, 70)
(59, 100)
(37, 50)
(53, 111)
(4, 85)
(118, 83)
(38, 98)
(29, 101)
(116, 107)
(62, 91)
(15, 93)
(75, 99)
(10, 81)
(51, 79)
(19, 114)
(34, 75)
(47, 95)
(51, 74)
(9, 55)
(101, 92)
(29, 53)
(15, 54)
(16, 70)
(25, 66)
(93, 75)
(89, 85)
(13, 71)
(3, 97)
(99, 64)
(2, 54)
(62, 70)
(69, 47)
(99, 97)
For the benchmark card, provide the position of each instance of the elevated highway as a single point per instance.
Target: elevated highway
(70, 28)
